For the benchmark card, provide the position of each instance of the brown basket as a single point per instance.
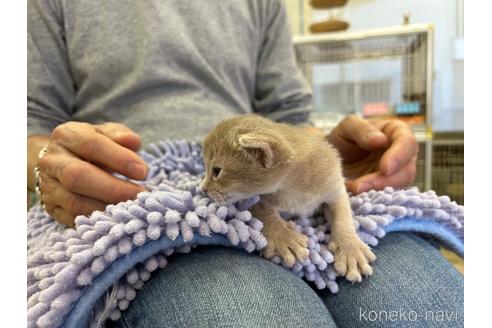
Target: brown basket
(331, 25)
(327, 4)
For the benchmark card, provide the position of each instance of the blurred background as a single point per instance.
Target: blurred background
(390, 58)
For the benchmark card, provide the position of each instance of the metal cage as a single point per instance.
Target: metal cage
(448, 163)
(383, 72)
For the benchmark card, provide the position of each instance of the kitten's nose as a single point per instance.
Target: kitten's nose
(202, 186)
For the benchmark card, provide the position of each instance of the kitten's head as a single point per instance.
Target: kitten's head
(244, 156)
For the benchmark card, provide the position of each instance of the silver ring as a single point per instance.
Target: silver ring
(37, 175)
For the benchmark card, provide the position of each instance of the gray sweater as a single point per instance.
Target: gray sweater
(166, 69)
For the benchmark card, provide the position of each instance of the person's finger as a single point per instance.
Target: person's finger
(120, 134)
(87, 143)
(378, 181)
(356, 130)
(403, 147)
(60, 215)
(355, 138)
(351, 185)
(88, 180)
(55, 193)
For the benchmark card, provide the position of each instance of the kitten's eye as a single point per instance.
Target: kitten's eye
(216, 171)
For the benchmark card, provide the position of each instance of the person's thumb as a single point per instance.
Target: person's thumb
(361, 132)
(120, 134)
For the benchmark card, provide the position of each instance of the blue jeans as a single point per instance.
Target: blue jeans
(412, 286)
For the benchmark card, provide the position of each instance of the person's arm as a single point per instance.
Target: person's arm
(282, 93)
(50, 87)
(76, 172)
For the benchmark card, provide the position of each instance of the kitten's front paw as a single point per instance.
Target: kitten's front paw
(352, 257)
(285, 241)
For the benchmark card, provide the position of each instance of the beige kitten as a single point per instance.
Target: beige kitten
(293, 170)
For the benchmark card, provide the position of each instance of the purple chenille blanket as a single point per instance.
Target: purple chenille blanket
(81, 277)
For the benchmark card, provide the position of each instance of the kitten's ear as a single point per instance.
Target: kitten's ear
(259, 147)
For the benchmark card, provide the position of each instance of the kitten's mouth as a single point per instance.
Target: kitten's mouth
(231, 199)
(224, 199)
(218, 197)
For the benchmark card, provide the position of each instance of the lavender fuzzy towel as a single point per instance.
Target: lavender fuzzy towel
(80, 277)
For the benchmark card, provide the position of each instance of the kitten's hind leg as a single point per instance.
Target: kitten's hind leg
(352, 255)
(282, 238)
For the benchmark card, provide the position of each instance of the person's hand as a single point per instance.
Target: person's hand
(76, 172)
(375, 153)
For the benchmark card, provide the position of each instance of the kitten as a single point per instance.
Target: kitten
(293, 170)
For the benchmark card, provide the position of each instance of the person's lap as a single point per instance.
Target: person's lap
(225, 287)
(412, 286)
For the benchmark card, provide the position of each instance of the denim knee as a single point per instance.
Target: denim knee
(225, 287)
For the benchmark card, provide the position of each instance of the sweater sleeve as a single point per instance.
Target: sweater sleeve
(50, 87)
(282, 93)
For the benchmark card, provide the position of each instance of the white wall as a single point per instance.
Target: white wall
(444, 14)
